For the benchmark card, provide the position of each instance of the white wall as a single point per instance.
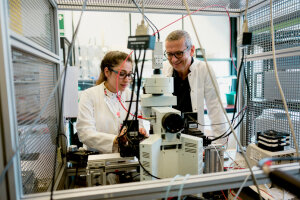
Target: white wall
(103, 31)
(107, 29)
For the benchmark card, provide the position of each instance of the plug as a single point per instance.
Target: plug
(141, 40)
(245, 37)
(142, 29)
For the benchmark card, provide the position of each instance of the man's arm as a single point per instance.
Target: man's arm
(215, 112)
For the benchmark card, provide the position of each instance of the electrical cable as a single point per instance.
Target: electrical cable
(279, 85)
(280, 178)
(235, 196)
(240, 189)
(237, 86)
(194, 120)
(139, 83)
(135, 74)
(147, 170)
(237, 92)
(141, 117)
(222, 166)
(246, 80)
(204, 9)
(43, 109)
(138, 77)
(227, 134)
(117, 83)
(182, 185)
(148, 20)
(220, 101)
(233, 161)
(224, 136)
(136, 61)
(224, 195)
(269, 191)
(141, 163)
(170, 185)
(117, 88)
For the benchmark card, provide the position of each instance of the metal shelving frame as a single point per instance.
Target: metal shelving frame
(30, 52)
(235, 7)
(265, 107)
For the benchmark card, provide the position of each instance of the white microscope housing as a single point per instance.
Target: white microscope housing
(167, 152)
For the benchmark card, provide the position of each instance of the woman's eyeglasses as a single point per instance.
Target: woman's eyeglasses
(178, 54)
(123, 75)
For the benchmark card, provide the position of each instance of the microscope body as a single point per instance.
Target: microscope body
(167, 152)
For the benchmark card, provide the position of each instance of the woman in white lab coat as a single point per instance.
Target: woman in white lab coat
(100, 114)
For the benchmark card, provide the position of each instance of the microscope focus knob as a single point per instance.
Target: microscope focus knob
(172, 122)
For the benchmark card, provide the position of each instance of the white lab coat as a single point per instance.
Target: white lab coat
(202, 89)
(100, 117)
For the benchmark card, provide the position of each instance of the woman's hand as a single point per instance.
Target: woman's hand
(121, 136)
(143, 132)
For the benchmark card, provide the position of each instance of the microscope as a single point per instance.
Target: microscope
(167, 152)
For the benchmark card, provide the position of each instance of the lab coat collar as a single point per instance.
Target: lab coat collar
(170, 70)
(110, 94)
(194, 65)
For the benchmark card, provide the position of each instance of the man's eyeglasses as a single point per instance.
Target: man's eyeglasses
(123, 75)
(178, 54)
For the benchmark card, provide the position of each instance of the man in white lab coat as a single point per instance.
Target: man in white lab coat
(192, 84)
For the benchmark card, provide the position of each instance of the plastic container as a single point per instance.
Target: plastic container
(230, 98)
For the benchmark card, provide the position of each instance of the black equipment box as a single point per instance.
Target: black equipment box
(141, 42)
(272, 140)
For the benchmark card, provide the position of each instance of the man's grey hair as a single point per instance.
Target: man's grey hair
(178, 34)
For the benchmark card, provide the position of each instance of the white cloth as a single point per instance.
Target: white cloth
(202, 89)
(100, 116)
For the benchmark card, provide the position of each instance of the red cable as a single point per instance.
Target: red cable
(117, 88)
(203, 9)
(267, 193)
(223, 194)
(234, 168)
(234, 194)
(119, 98)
